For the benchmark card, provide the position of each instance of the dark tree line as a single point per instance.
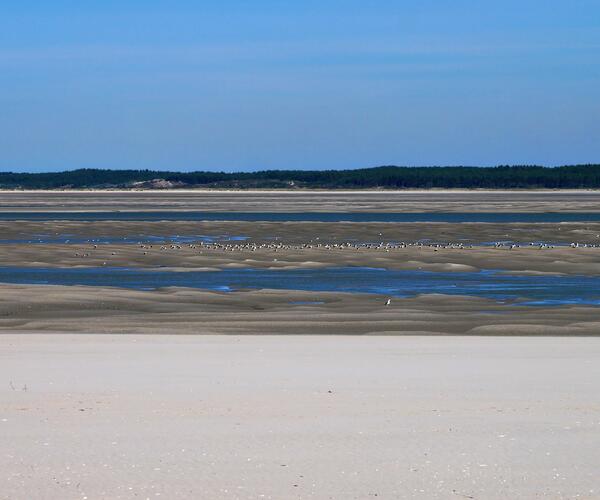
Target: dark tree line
(502, 177)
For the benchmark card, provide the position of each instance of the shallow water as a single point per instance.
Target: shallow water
(309, 216)
(530, 290)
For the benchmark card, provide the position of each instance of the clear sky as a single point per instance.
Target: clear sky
(241, 85)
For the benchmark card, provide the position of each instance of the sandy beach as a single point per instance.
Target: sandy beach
(304, 200)
(123, 417)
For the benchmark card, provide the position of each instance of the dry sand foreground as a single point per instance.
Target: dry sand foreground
(89, 416)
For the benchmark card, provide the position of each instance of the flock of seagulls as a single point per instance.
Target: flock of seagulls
(278, 246)
(275, 247)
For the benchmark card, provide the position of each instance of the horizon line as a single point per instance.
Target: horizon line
(233, 172)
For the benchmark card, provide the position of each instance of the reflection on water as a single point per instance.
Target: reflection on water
(529, 290)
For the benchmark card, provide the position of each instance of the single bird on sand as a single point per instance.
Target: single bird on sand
(388, 302)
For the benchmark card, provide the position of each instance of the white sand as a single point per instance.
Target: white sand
(92, 416)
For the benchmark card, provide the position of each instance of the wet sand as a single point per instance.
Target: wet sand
(303, 201)
(525, 260)
(86, 416)
(174, 311)
(298, 245)
(305, 232)
(292, 236)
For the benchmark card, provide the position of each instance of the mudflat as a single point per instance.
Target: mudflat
(105, 416)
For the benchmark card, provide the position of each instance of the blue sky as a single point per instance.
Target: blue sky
(241, 85)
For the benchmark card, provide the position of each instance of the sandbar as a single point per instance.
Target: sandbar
(304, 200)
(175, 311)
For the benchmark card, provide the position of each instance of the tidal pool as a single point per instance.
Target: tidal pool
(491, 284)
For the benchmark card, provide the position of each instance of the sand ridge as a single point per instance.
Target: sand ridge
(78, 309)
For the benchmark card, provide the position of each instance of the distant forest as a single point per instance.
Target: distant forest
(390, 177)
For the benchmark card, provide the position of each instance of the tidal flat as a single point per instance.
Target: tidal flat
(173, 311)
(278, 254)
(245, 264)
